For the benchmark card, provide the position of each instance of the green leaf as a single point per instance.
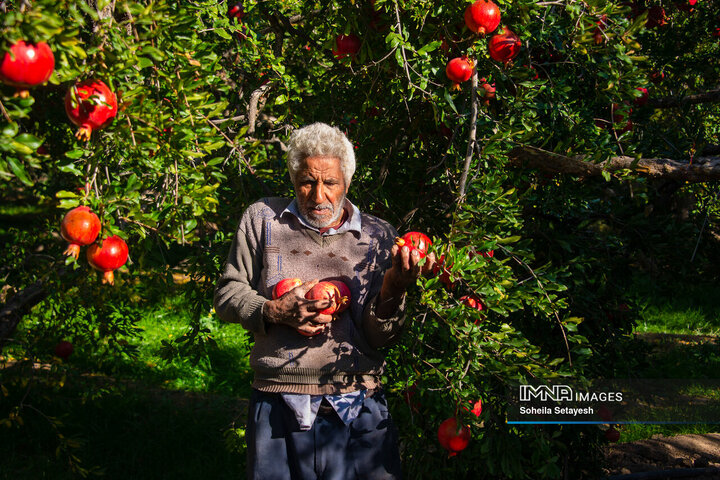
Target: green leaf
(19, 171)
(28, 140)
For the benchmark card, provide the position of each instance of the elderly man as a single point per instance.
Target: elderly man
(318, 409)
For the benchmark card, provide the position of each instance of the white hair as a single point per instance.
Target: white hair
(316, 140)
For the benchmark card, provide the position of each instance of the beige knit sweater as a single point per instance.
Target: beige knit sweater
(269, 247)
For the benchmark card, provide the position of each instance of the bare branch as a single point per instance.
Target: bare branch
(253, 109)
(471, 135)
(703, 169)
(704, 97)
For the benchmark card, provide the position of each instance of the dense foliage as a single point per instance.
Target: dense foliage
(206, 102)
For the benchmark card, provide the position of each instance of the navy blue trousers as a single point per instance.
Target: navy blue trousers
(330, 450)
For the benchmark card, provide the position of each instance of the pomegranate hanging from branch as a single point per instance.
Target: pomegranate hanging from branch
(90, 105)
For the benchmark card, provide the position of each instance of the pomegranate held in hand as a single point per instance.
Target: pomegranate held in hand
(63, 349)
(415, 241)
(345, 295)
(110, 255)
(26, 65)
(485, 15)
(80, 226)
(346, 45)
(326, 291)
(452, 438)
(284, 286)
(93, 107)
(459, 70)
(504, 46)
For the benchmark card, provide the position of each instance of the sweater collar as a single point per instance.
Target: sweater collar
(351, 224)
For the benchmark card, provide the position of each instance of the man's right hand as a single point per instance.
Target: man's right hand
(296, 311)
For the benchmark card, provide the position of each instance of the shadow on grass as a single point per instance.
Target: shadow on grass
(123, 431)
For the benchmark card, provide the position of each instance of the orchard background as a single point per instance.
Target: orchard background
(555, 161)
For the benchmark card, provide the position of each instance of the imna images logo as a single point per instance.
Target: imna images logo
(545, 393)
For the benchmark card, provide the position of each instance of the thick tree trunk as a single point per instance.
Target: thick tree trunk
(703, 169)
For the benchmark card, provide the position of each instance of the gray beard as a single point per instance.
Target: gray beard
(319, 223)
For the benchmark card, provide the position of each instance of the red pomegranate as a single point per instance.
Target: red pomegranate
(686, 5)
(618, 114)
(486, 15)
(612, 434)
(487, 91)
(415, 241)
(92, 106)
(504, 46)
(236, 12)
(284, 286)
(63, 349)
(444, 270)
(642, 100)
(346, 45)
(656, 17)
(345, 295)
(80, 226)
(110, 255)
(453, 438)
(657, 77)
(459, 70)
(472, 301)
(469, 22)
(326, 291)
(27, 64)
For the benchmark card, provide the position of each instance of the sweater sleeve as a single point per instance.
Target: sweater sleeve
(382, 332)
(236, 299)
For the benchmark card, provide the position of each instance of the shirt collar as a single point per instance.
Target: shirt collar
(351, 224)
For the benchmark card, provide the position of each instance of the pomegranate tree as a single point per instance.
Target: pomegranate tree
(284, 286)
(80, 226)
(485, 16)
(108, 256)
(346, 45)
(504, 46)
(453, 437)
(27, 64)
(415, 241)
(90, 105)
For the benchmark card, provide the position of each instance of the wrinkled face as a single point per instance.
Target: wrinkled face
(320, 190)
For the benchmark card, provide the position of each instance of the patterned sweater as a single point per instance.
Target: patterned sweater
(272, 244)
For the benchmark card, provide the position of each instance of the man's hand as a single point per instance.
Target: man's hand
(296, 311)
(404, 272)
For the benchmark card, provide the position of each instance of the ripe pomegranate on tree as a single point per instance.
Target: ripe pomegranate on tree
(90, 105)
(487, 91)
(63, 349)
(109, 255)
(642, 100)
(80, 226)
(612, 434)
(656, 17)
(484, 17)
(27, 64)
(459, 70)
(504, 46)
(452, 437)
(346, 45)
(236, 12)
(415, 241)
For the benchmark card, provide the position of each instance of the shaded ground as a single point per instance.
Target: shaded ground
(663, 453)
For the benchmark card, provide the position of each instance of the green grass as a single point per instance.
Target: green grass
(681, 308)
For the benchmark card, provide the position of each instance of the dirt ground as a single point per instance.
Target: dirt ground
(665, 453)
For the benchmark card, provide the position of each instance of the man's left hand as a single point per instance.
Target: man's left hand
(404, 272)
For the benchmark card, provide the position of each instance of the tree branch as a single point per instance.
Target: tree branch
(704, 97)
(703, 169)
(12, 312)
(253, 109)
(471, 135)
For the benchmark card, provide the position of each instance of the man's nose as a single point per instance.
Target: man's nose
(316, 194)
